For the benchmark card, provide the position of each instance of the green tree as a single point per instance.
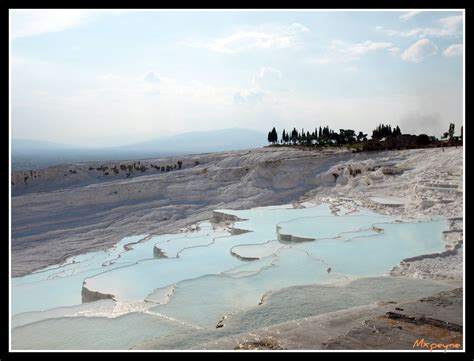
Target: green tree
(396, 131)
(361, 137)
(451, 130)
(382, 131)
(274, 135)
(422, 140)
(294, 136)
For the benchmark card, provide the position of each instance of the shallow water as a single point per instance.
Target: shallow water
(190, 280)
(284, 305)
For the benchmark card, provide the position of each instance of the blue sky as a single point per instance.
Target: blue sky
(115, 77)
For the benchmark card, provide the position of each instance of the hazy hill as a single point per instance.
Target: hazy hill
(32, 154)
(205, 141)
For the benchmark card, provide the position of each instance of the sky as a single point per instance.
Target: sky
(104, 78)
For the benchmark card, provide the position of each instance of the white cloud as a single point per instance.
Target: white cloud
(449, 27)
(394, 51)
(451, 22)
(453, 50)
(341, 52)
(355, 51)
(248, 97)
(262, 37)
(269, 71)
(419, 51)
(151, 77)
(297, 28)
(25, 23)
(109, 76)
(407, 16)
(268, 78)
(319, 60)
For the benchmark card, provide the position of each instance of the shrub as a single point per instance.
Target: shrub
(372, 145)
(422, 140)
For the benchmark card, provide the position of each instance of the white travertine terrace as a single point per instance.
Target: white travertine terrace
(204, 261)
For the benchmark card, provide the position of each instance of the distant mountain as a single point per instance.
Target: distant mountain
(201, 141)
(31, 144)
(32, 154)
(204, 141)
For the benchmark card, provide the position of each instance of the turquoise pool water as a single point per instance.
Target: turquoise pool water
(209, 273)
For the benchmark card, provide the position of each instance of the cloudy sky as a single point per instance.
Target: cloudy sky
(116, 77)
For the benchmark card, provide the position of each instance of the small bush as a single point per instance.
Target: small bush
(422, 140)
(373, 145)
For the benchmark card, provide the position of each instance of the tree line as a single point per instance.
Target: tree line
(383, 137)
